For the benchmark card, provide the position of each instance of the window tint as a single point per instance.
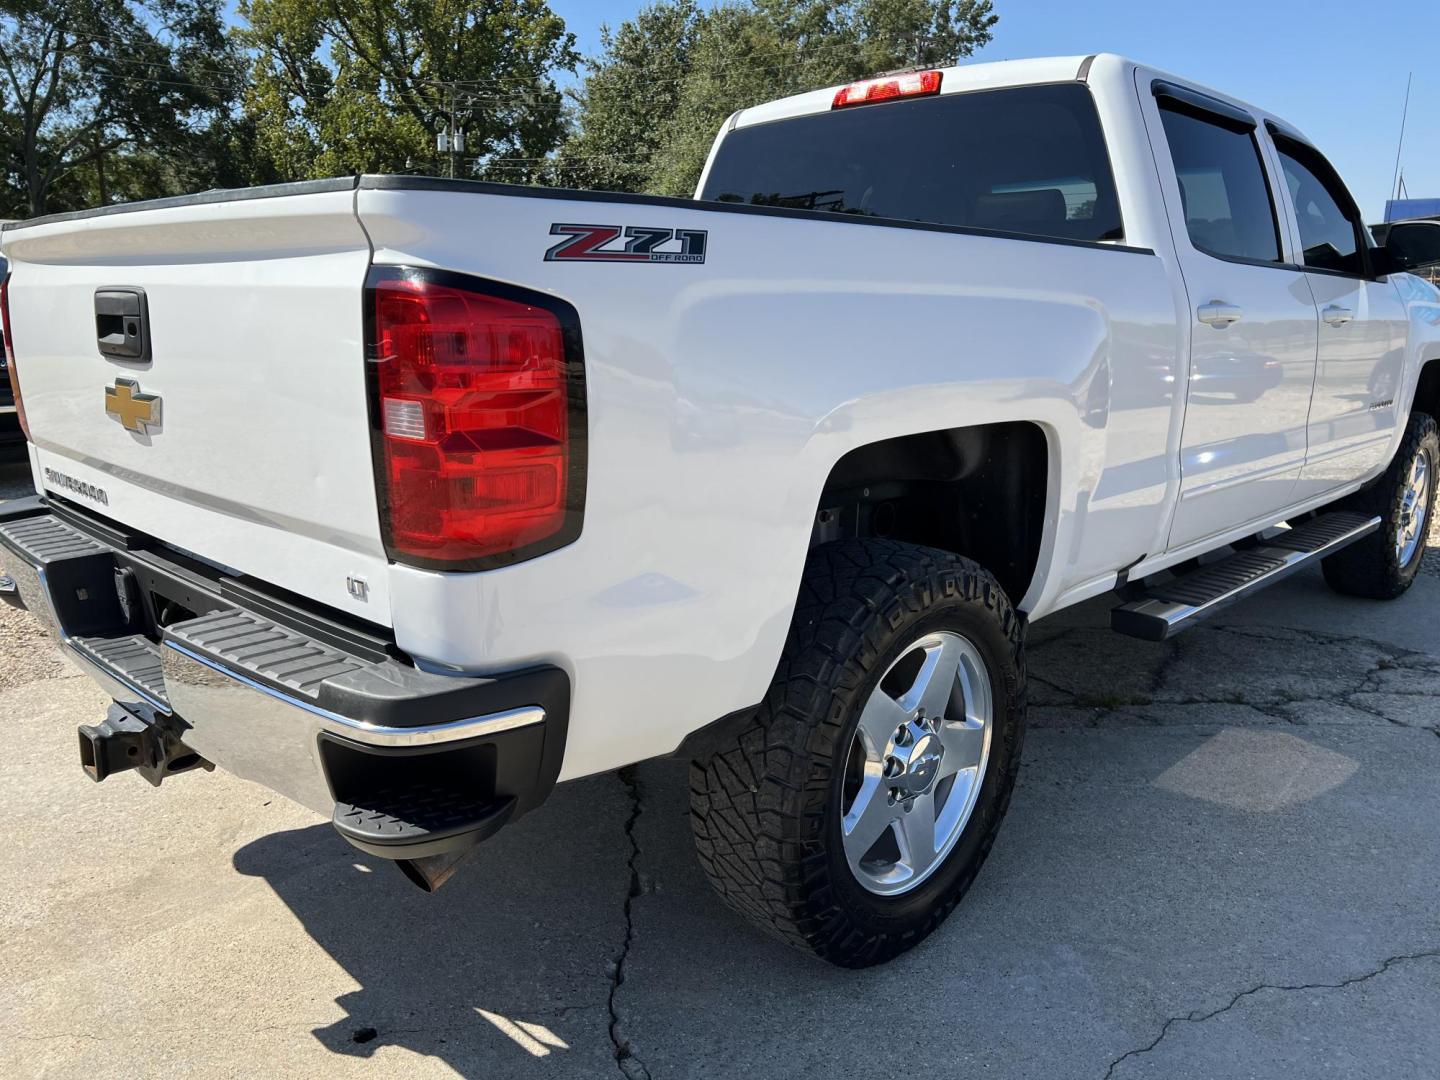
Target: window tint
(1029, 160)
(1227, 204)
(1328, 231)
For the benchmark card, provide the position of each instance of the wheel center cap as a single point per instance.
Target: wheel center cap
(922, 765)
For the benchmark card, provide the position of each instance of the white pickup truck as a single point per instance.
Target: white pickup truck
(409, 498)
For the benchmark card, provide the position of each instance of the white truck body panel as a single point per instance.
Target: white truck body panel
(720, 396)
(711, 437)
(262, 463)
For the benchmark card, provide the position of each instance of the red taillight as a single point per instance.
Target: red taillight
(888, 87)
(478, 397)
(10, 354)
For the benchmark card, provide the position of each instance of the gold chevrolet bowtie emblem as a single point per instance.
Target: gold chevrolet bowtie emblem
(136, 412)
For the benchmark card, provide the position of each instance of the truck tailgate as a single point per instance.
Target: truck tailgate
(243, 435)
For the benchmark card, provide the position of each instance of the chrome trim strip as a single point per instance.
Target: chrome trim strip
(379, 735)
(207, 500)
(6, 410)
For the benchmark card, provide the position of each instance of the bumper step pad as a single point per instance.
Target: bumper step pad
(134, 659)
(1173, 605)
(262, 649)
(43, 539)
(420, 820)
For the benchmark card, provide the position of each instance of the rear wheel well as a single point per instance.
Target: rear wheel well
(975, 491)
(1427, 390)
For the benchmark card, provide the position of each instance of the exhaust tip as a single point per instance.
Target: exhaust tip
(429, 873)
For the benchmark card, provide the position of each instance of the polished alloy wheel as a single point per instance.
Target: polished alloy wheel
(1414, 505)
(916, 763)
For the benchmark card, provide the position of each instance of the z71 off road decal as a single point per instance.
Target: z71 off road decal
(628, 244)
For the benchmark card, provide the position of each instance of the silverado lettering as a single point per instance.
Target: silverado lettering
(63, 482)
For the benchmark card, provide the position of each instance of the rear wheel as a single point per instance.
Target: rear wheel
(1385, 563)
(854, 810)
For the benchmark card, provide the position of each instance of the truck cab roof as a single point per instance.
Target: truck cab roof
(995, 75)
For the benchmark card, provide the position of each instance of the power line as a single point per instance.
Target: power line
(731, 65)
(153, 81)
(155, 42)
(476, 99)
(799, 52)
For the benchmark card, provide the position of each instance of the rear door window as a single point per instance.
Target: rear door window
(1027, 160)
(1223, 191)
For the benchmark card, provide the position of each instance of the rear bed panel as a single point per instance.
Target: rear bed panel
(721, 393)
(262, 460)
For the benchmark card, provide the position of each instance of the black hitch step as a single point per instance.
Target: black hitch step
(1174, 605)
(428, 807)
(420, 820)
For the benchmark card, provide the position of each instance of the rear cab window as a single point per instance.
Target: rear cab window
(1029, 160)
(1226, 200)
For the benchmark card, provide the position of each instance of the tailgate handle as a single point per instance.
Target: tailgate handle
(122, 323)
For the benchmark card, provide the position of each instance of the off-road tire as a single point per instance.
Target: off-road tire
(766, 803)
(1371, 567)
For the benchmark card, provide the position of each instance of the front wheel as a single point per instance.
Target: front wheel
(854, 810)
(1385, 563)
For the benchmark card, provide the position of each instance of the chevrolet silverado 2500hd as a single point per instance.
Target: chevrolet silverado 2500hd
(409, 498)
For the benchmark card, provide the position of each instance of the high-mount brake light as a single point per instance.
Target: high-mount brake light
(479, 412)
(888, 88)
(10, 355)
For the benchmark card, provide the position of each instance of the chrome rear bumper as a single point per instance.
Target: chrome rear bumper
(273, 700)
(260, 734)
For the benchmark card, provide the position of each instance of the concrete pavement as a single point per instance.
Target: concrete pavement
(1221, 862)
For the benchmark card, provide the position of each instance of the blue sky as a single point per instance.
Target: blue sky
(1336, 70)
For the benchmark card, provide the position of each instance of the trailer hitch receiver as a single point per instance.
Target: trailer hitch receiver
(125, 741)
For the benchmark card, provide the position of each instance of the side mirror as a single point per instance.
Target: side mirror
(1410, 245)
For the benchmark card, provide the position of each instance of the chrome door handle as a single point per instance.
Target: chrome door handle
(1219, 314)
(1336, 315)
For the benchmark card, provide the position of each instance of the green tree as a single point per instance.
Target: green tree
(111, 99)
(667, 79)
(343, 86)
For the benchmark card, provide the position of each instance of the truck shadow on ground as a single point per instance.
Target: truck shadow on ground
(531, 960)
(508, 964)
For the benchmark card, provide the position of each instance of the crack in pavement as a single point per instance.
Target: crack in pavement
(1060, 634)
(1196, 1017)
(631, 1067)
(1269, 703)
(1169, 657)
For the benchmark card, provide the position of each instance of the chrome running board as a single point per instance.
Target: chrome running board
(1173, 605)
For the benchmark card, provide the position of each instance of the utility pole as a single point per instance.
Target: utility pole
(450, 141)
